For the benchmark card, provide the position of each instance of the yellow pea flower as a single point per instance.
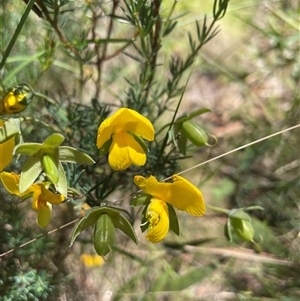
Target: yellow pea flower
(181, 194)
(16, 100)
(42, 197)
(6, 151)
(91, 260)
(125, 128)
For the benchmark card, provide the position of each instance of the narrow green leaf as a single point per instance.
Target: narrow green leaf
(54, 140)
(182, 141)
(142, 199)
(174, 225)
(239, 214)
(30, 171)
(250, 208)
(106, 41)
(141, 142)
(124, 225)
(105, 147)
(19, 67)
(199, 112)
(189, 116)
(28, 149)
(144, 222)
(227, 230)
(62, 184)
(72, 155)
(10, 128)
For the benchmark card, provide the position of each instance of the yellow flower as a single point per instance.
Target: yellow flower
(125, 127)
(181, 194)
(42, 197)
(91, 260)
(16, 100)
(6, 151)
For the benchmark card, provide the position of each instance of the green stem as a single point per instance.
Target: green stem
(217, 209)
(165, 141)
(16, 34)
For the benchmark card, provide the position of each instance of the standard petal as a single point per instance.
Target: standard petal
(152, 186)
(105, 131)
(181, 193)
(124, 151)
(11, 182)
(131, 121)
(186, 197)
(158, 218)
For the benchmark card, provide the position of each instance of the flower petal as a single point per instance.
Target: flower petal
(158, 218)
(11, 182)
(92, 260)
(125, 120)
(50, 197)
(152, 186)
(6, 152)
(44, 215)
(181, 193)
(124, 151)
(186, 197)
(131, 121)
(105, 130)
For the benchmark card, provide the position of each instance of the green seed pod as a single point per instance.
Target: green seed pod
(104, 235)
(51, 168)
(242, 228)
(194, 133)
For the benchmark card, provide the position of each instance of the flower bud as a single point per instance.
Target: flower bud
(104, 235)
(51, 168)
(194, 133)
(242, 228)
(16, 100)
(44, 215)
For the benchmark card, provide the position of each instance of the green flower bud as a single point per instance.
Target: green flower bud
(51, 168)
(104, 235)
(243, 228)
(194, 133)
